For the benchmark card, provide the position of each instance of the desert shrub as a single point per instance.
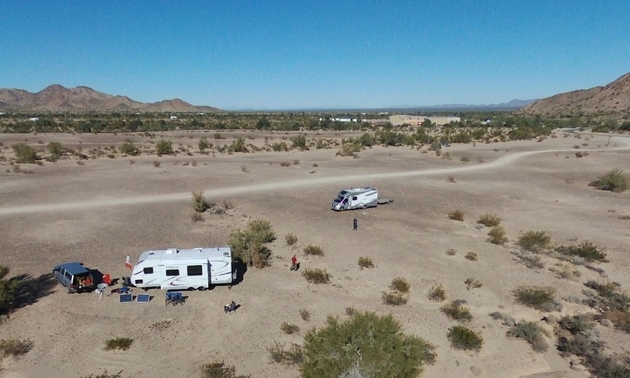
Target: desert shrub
(472, 283)
(118, 343)
(530, 332)
(238, 145)
(465, 159)
(451, 252)
(621, 319)
(156, 164)
(316, 276)
(614, 181)
(164, 147)
(457, 311)
(305, 315)
(55, 149)
(464, 338)
(296, 162)
(457, 215)
(537, 297)
(248, 245)
(366, 262)
(349, 149)
(203, 144)
(8, 289)
(104, 374)
(505, 319)
(350, 311)
(400, 284)
(394, 298)
(610, 298)
(451, 179)
(586, 250)
(199, 203)
(340, 346)
(289, 328)
(437, 293)
(219, 369)
(128, 148)
(294, 355)
(496, 235)
(531, 261)
(472, 256)
(313, 250)
(24, 153)
(285, 164)
(196, 217)
(15, 347)
(489, 220)
(577, 323)
(291, 239)
(298, 141)
(534, 241)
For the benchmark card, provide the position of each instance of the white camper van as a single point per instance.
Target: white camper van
(184, 269)
(355, 198)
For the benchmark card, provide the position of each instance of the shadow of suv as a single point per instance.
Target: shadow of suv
(74, 277)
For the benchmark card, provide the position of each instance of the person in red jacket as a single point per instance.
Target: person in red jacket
(294, 263)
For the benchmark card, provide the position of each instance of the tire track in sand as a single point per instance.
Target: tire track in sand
(283, 185)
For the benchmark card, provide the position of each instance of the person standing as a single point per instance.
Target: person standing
(294, 263)
(355, 224)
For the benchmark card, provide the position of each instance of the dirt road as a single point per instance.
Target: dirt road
(211, 193)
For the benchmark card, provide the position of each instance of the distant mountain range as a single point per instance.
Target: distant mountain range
(79, 99)
(610, 100)
(512, 105)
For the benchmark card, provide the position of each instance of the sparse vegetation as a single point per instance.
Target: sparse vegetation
(128, 148)
(350, 311)
(400, 284)
(156, 164)
(457, 215)
(496, 235)
(451, 252)
(291, 239)
(394, 298)
(164, 147)
(313, 250)
(585, 250)
(14, 347)
(294, 355)
(316, 276)
(24, 154)
(538, 297)
(219, 369)
(244, 169)
(289, 328)
(437, 293)
(55, 149)
(451, 179)
(534, 241)
(199, 203)
(489, 220)
(340, 346)
(285, 164)
(530, 332)
(305, 315)
(104, 374)
(118, 343)
(614, 181)
(366, 262)
(472, 256)
(457, 311)
(464, 338)
(472, 283)
(248, 245)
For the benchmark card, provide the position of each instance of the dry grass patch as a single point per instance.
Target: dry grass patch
(400, 284)
(437, 293)
(219, 369)
(291, 239)
(156, 164)
(489, 220)
(472, 256)
(285, 164)
(457, 215)
(394, 298)
(534, 241)
(464, 338)
(538, 297)
(532, 333)
(457, 311)
(118, 343)
(313, 250)
(496, 235)
(365, 262)
(451, 252)
(15, 347)
(199, 203)
(294, 355)
(289, 328)
(316, 276)
(614, 181)
(472, 283)
(305, 315)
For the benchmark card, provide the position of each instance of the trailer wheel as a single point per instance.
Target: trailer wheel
(191, 289)
(201, 288)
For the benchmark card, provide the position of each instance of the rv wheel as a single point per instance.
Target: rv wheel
(201, 288)
(191, 288)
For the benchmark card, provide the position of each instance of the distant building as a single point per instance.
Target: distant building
(173, 118)
(413, 120)
(34, 119)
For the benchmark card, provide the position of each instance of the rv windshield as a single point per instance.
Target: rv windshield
(340, 199)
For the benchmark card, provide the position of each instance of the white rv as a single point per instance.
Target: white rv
(184, 269)
(355, 198)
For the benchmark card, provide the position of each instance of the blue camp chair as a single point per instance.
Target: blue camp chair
(174, 297)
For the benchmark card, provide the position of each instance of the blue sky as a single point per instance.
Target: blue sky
(288, 54)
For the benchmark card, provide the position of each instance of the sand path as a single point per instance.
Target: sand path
(284, 185)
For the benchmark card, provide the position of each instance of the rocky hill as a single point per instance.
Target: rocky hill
(59, 98)
(609, 100)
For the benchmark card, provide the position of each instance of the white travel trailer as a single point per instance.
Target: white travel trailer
(184, 269)
(356, 198)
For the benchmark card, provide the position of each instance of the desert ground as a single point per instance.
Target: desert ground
(100, 212)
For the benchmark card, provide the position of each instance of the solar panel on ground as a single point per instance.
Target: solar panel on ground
(126, 298)
(144, 298)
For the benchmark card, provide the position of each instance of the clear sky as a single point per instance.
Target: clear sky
(284, 54)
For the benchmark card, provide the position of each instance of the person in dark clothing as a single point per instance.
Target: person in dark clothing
(355, 224)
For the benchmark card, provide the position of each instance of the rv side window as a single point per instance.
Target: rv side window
(147, 270)
(354, 198)
(139, 282)
(172, 272)
(195, 270)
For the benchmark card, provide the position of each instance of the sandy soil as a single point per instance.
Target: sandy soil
(100, 212)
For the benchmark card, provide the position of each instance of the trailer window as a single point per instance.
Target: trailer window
(139, 282)
(172, 272)
(195, 270)
(148, 270)
(354, 198)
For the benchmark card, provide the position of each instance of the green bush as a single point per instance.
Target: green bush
(537, 297)
(289, 329)
(55, 149)
(8, 289)
(464, 338)
(585, 250)
(118, 343)
(457, 215)
(489, 220)
(24, 154)
(164, 147)
(457, 311)
(248, 245)
(614, 181)
(203, 144)
(349, 149)
(316, 276)
(313, 250)
(534, 241)
(15, 347)
(373, 344)
(128, 148)
(199, 202)
(610, 298)
(530, 332)
(299, 141)
(219, 369)
(496, 235)
(291, 239)
(577, 323)
(365, 262)
(294, 355)
(400, 284)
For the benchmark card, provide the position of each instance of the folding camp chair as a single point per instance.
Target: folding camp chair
(174, 297)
